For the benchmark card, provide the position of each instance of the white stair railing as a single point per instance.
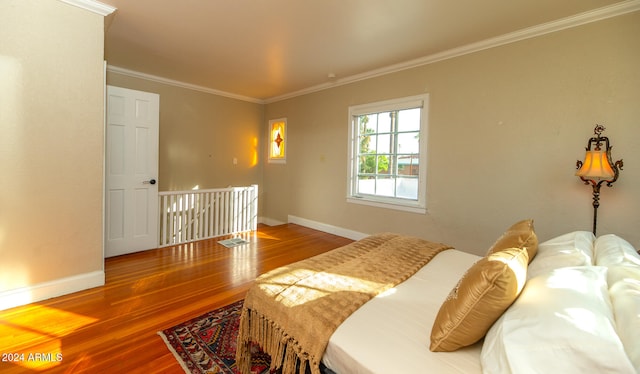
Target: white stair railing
(186, 216)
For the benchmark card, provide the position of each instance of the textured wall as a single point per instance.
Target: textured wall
(506, 126)
(51, 142)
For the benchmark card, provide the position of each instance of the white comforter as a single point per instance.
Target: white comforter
(390, 334)
(580, 310)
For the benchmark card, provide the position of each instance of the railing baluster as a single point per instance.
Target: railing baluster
(234, 210)
(189, 222)
(199, 215)
(163, 220)
(212, 210)
(205, 215)
(243, 212)
(193, 224)
(183, 226)
(225, 213)
(196, 217)
(172, 220)
(187, 216)
(254, 207)
(216, 231)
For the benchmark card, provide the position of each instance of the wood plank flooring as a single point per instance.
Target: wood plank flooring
(113, 329)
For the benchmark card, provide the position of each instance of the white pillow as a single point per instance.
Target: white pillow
(625, 298)
(561, 323)
(572, 249)
(611, 249)
(621, 272)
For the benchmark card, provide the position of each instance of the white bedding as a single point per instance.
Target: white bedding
(580, 308)
(384, 337)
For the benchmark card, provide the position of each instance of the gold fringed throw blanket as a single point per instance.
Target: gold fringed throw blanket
(292, 311)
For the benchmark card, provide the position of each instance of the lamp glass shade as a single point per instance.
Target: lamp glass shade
(596, 166)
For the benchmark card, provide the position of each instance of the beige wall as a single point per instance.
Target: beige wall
(201, 134)
(506, 126)
(51, 143)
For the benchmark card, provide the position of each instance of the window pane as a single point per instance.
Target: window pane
(384, 122)
(384, 144)
(409, 142)
(409, 120)
(367, 164)
(366, 127)
(385, 186)
(367, 185)
(407, 188)
(408, 164)
(367, 144)
(383, 164)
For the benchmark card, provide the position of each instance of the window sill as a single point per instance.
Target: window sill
(388, 205)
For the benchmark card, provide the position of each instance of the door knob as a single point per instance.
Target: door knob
(151, 181)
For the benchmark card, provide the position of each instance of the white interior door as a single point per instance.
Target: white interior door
(131, 171)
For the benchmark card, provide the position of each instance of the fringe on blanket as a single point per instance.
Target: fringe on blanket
(383, 260)
(284, 350)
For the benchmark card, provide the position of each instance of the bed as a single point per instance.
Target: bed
(570, 304)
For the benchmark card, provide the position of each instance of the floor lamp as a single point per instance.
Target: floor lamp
(598, 168)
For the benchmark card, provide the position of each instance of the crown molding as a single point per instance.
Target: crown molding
(603, 13)
(155, 78)
(619, 9)
(92, 6)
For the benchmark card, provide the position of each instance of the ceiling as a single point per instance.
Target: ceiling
(268, 49)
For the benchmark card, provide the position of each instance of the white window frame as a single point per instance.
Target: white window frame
(420, 204)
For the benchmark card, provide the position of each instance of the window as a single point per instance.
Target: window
(277, 141)
(388, 151)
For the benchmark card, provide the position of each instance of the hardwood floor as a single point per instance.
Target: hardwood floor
(113, 329)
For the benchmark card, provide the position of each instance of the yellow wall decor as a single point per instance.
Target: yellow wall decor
(277, 142)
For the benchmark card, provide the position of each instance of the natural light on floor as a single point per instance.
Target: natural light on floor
(44, 326)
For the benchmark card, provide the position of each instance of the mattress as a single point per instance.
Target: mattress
(391, 333)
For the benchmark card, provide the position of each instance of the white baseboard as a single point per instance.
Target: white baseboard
(270, 221)
(346, 233)
(48, 290)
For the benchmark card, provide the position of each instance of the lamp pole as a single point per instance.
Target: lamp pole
(596, 203)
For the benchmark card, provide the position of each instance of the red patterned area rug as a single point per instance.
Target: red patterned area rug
(207, 344)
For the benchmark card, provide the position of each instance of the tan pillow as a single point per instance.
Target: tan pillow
(483, 293)
(519, 235)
